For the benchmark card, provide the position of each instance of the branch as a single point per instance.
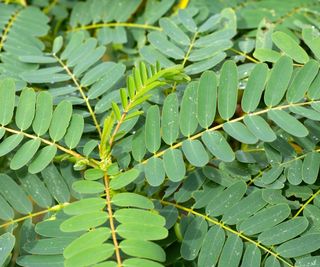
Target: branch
(306, 203)
(31, 215)
(116, 24)
(198, 135)
(112, 227)
(48, 8)
(76, 155)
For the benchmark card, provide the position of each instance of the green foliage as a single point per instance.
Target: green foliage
(159, 133)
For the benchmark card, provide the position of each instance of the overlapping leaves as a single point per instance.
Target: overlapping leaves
(35, 110)
(199, 108)
(231, 156)
(182, 39)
